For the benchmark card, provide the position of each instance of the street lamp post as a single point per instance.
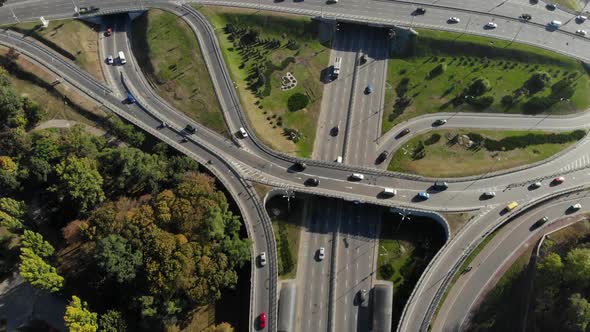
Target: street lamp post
(288, 194)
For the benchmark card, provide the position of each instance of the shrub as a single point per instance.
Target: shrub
(434, 138)
(481, 102)
(297, 101)
(439, 69)
(562, 89)
(537, 81)
(419, 151)
(386, 271)
(538, 104)
(507, 101)
(522, 141)
(479, 87)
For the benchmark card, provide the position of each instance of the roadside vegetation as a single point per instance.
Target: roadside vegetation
(75, 40)
(260, 49)
(405, 249)
(134, 235)
(286, 222)
(168, 52)
(448, 72)
(576, 5)
(457, 153)
(559, 298)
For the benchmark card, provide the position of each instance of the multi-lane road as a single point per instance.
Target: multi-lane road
(249, 159)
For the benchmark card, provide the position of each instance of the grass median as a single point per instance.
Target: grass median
(458, 153)
(168, 52)
(275, 61)
(448, 72)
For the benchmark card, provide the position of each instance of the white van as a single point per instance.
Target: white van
(122, 59)
(357, 176)
(555, 24)
(389, 192)
(339, 159)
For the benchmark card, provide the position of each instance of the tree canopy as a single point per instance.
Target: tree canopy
(79, 183)
(38, 273)
(79, 318)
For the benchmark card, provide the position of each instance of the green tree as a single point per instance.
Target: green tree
(537, 82)
(577, 266)
(33, 112)
(112, 321)
(297, 101)
(578, 313)
(116, 257)
(38, 273)
(39, 170)
(11, 213)
(552, 264)
(37, 244)
(79, 183)
(479, 87)
(132, 171)
(10, 103)
(79, 318)
(77, 142)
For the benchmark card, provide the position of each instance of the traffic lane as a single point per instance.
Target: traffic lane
(316, 281)
(497, 255)
(357, 250)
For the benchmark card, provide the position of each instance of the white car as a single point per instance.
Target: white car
(581, 18)
(110, 60)
(581, 32)
(555, 24)
(243, 132)
(263, 258)
(576, 206)
(536, 185)
(454, 19)
(491, 25)
(321, 253)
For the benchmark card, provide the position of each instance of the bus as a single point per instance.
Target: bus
(122, 58)
(337, 64)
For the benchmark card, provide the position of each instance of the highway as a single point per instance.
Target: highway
(250, 160)
(497, 256)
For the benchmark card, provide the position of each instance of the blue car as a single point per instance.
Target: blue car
(130, 98)
(424, 195)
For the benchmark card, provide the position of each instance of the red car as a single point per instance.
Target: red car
(558, 180)
(109, 31)
(262, 321)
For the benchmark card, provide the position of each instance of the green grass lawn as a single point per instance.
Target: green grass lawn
(571, 4)
(267, 106)
(169, 54)
(76, 39)
(287, 227)
(506, 66)
(292, 232)
(398, 253)
(447, 158)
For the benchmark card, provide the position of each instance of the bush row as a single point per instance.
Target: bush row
(522, 141)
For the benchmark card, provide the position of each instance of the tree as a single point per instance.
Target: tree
(39, 170)
(578, 313)
(79, 183)
(35, 242)
(479, 87)
(11, 213)
(297, 101)
(33, 112)
(577, 266)
(223, 327)
(439, 69)
(131, 171)
(75, 141)
(8, 165)
(112, 321)
(79, 318)
(507, 100)
(116, 257)
(552, 264)
(537, 82)
(10, 103)
(38, 273)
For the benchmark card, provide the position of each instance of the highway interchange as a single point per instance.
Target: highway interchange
(234, 161)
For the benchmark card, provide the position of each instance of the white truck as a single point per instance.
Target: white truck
(122, 59)
(337, 65)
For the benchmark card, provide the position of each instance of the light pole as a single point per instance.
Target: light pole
(288, 194)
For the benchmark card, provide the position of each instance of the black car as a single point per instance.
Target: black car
(190, 129)
(312, 182)
(300, 166)
(334, 131)
(525, 17)
(551, 6)
(382, 156)
(363, 59)
(404, 132)
(420, 11)
(539, 223)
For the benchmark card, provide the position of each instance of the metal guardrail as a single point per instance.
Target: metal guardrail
(350, 107)
(451, 273)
